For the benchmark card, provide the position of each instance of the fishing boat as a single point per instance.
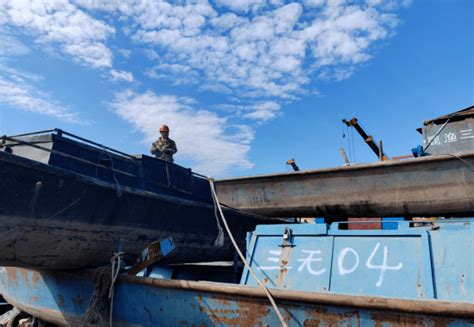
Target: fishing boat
(438, 181)
(67, 202)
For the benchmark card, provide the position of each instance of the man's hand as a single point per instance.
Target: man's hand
(154, 149)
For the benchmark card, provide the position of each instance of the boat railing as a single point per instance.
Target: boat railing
(18, 140)
(66, 155)
(61, 132)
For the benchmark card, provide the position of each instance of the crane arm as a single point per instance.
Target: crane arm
(367, 138)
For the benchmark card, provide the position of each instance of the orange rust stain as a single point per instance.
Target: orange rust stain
(226, 302)
(444, 322)
(61, 300)
(281, 276)
(220, 310)
(441, 322)
(35, 277)
(322, 316)
(34, 298)
(397, 319)
(11, 274)
(24, 275)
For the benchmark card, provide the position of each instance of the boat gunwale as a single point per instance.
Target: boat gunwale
(431, 307)
(356, 167)
(413, 306)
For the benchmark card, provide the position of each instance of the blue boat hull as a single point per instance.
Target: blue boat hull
(63, 297)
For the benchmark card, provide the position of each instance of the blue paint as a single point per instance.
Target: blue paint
(391, 222)
(151, 304)
(434, 261)
(319, 220)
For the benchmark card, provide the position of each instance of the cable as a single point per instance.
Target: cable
(234, 243)
(436, 134)
(349, 143)
(116, 263)
(353, 145)
(461, 159)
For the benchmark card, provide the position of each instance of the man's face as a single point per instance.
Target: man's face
(164, 134)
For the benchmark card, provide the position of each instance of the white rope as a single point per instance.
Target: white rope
(116, 262)
(220, 236)
(242, 257)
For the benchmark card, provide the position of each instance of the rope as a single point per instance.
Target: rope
(436, 134)
(104, 151)
(468, 166)
(242, 257)
(219, 242)
(116, 263)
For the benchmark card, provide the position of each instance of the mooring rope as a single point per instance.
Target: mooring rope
(117, 184)
(116, 263)
(242, 257)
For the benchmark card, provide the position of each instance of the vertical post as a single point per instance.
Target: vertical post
(381, 156)
(344, 156)
(236, 268)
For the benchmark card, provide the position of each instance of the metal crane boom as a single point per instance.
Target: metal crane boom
(367, 138)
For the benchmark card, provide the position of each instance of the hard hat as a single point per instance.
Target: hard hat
(164, 128)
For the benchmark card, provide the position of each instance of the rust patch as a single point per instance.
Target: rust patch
(225, 302)
(11, 274)
(35, 277)
(281, 276)
(34, 298)
(24, 275)
(395, 319)
(322, 316)
(441, 322)
(220, 310)
(61, 300)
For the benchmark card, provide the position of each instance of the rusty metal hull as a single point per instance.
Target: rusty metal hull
(62, 298)
(57, 219)
(429, 186)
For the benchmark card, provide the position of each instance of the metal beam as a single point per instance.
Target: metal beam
(440, 185)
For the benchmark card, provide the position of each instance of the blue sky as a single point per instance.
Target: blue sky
(244, 85)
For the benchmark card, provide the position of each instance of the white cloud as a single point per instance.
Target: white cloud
(258, 111)
(255, 48)
(58, 22)
(259, 53)
(10, 46)
(210, 143)
(182, 74)
(242, 5)
(125, 53)
(18, 91)
(264, 49)
(263, 111)
(215, 87)
(120, 75)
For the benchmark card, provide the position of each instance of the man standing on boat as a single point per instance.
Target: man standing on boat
(164, 147)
